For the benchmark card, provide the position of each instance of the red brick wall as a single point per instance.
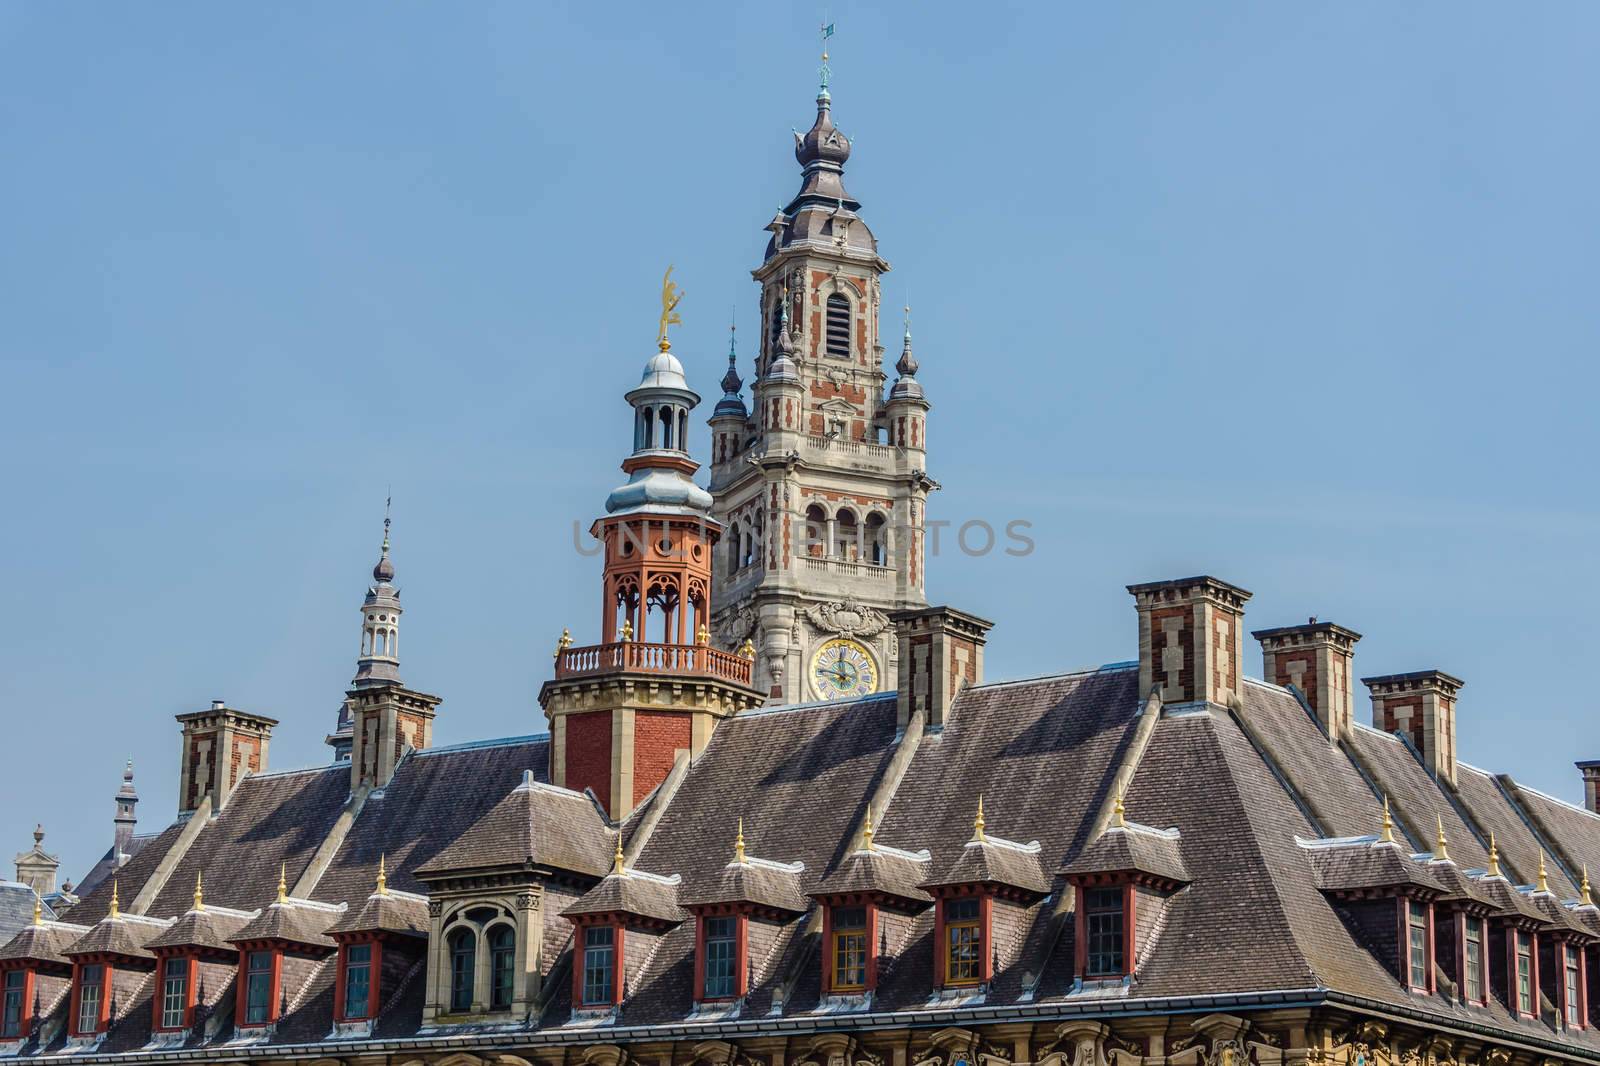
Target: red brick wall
(657, 736)
(1158, 642)
(589, 754)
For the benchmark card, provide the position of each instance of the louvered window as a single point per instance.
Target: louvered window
(838, 326)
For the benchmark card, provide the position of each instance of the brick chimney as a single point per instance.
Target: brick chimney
(220, 746)
(941, 652)
(1591, 784)
(1314, 658)
(1189, 639)
(386, 721)
(1421, 705)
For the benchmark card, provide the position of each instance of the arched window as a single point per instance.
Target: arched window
(463, 964)
(502, 966)
(816, 531)
(666, 427)
(847, 543)
(877, 546)
(839, 326)
(683, 429)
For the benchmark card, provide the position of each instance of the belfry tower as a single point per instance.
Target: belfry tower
(621, 710)
(822, 487)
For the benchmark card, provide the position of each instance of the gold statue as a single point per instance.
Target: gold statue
(670, 298)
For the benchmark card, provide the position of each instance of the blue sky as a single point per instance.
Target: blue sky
(1298, 295)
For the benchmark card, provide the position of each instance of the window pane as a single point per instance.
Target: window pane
(174, 992)
(599, 964)
(357, 980)
(1524, 973)
(502, 967)
(849, 960)
(89, 999)
(1418, 944)
(258, 989)
(721, 961)
(1474, 973)
(11, 1021)
(463, 961)
(1103, 923)
(1569, 956)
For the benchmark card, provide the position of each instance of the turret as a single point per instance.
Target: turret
(126, 820)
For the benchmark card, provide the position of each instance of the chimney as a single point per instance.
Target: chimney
(1591, 784)
(220, 746)
(36, 867)
(386, 722)
(1314, 658)
(1189, 639)
(941, 652)
(1422, 705)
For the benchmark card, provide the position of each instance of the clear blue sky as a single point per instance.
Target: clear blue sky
(1299, 295)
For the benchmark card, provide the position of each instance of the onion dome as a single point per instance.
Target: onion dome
(821, 152)
(732, 403)
(907, 387)
(383, 573)
(660, 492)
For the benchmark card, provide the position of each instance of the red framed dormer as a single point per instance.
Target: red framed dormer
(358, 982)
(90, 1011)
(721, 952)
(114, 945)
(747, 893)
(377, 943)
(194, 944)
(629, 910)
(33, 973)
(598, 953)
(868, 901)
(1414, 913)
(1127, 868)
(286, 929)
(1561, 965)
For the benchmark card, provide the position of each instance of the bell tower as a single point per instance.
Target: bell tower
(620, 711)
(822, 487)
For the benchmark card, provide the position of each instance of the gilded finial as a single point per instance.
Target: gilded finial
(383, 875)
(1441, 847)
(866, 831)
(1544, 882)
(1388, 824)
(115, 911)
(1494, 859)
(1584, 899)
(616, 860)
(670, 298)
(38, 910)
(977, 823)
(738, 845)
(1119, 812)
(199, 891)
(702, 635)
(564, 641)
(283, 882)
(747, 650)
(627, 629)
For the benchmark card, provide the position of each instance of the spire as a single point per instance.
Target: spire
(283, 882)
(1584, 899)
(115, 911)
(738, 844)
(822, 150)
(616, 860)
(379, 661)
(906, 387)
(1387, 837)
(383, 572)
(1119, 819)
(1543, 886)
(383, 875)
(1494, 859)
(1441, 848)
(732, 402)
(782, 367)
(866, 831)
(126, 820)
(199, 891)
(977, 823)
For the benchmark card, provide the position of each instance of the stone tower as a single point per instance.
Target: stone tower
(126, 820)
(821, 489)
(621, 710)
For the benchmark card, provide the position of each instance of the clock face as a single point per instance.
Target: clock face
(843, 669)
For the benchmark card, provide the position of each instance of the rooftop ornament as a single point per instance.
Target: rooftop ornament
(738, 845)
(977, 823)
(199, 891)
(1494, 859)
(1388, 824)
(383, 875)
(1441, 848)
(670, 298)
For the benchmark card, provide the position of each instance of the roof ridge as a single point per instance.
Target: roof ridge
(1085, 671)
(811, 705)
(479, 745)
(1574, 807)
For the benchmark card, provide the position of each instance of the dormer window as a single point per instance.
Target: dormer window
(1476, 974)
(599, 966)
(848, 949)
(260, 975)
(502, 966)
(1524, 975)
(93, 999)
(175, 993)
(1572, 990)
(1105, 926)
(357, 985)
(720, 956)
(1419, 945)
(963, 940)
(16, 997)
(463, 968)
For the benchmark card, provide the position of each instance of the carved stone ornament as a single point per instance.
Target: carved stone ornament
(838, 1049)
(848, 618)
(739, 625)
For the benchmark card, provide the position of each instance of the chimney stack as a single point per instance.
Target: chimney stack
(1422, 705)
(1591, 784)
(1314, 658)
(220, 746)
(1189, 639)
(941, 652)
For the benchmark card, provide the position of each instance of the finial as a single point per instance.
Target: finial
(383, 874)
(1584, 899)
(670, 298)
(1119, 812)
(564, 641)
(702, 635)
(627, 629)
(384, 571)
(1494, 859)
(747, 650)
(199, 891)
(977, 823)
(38, 910)
(1544, 882)
(616, 860)
(1441, 848)
(38, 834)
(1388, 824)
(738, 845)
(115, 910)
(866, 831)
(283, 882)
(825, 72)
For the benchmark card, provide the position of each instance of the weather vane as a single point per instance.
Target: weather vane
(825, 71)
(670, 298)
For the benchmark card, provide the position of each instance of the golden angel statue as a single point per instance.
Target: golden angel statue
(670, 298)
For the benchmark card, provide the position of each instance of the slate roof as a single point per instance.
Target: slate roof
(389, 912)
(1133, 848)
(43, 943)
(1350, 866)
(632, 892)
(292, 921)
(123, 935)
(993, 861)
(766, 884)
(534, 825)
(209, 928)
(881, 869)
